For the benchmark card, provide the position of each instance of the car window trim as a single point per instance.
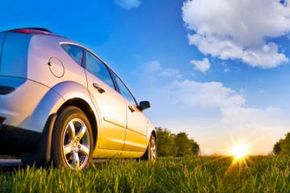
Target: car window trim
(119, 91)
(69, 44)
(106, 66)
(88, 50)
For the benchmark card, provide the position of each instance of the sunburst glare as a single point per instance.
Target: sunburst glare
(239, 151)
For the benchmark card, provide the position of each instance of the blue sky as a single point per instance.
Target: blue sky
(218, 70)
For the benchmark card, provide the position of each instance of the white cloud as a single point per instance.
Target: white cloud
(201, 65)
(170, 73)
(128, 4)
(152, 66)
(155, 67)
(205, 94)
(238, 29)
(226, 70)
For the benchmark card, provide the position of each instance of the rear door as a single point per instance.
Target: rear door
(110, 104)
(136, 132)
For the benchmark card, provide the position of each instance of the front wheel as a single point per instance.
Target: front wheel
(72, 140)
(151, 152)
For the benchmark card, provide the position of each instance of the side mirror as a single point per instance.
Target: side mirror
(144, 105)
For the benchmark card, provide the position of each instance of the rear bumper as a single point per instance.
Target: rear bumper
(33, 147)
(14, 141)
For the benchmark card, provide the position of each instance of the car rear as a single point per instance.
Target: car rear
(19, 95)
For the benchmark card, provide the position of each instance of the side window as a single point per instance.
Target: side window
(99, 69)
(75, 52)
(124, 91)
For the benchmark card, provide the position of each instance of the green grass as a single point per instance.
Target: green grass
(192, 174)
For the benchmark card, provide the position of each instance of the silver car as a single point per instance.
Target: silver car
(60, 102)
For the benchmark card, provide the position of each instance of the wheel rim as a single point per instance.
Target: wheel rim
(76, 144)
(153, 149)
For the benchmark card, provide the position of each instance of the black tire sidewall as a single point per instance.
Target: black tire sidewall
(62, 120)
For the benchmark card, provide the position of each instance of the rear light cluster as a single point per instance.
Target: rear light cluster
(6, 90)
(1, 120)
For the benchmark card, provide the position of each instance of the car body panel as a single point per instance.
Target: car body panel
(106, 153)
(39, 61)
(112, 131)
(136, 134)
(22, 106)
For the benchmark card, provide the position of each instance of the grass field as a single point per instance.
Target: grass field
(192, 174)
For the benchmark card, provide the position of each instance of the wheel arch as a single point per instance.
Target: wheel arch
(151, 131)
(44, 116)
(76, 94)
(86, 108)
(154, 133)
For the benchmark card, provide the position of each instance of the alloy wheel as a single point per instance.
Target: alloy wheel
(76, 144)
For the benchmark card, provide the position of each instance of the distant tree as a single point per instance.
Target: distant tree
(166, 143)
(277, 147)
(285, 146)
(195, 147)
(282, 147)
(183, 144)
(169, 144)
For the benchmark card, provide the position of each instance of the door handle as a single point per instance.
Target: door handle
(99, 88)
(131, 108)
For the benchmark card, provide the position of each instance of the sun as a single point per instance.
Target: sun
(239, 151)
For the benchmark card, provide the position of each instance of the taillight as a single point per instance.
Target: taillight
(1, 120)
(6, 90)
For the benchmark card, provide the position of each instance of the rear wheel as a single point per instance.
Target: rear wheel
(72, 140)
(151, 152)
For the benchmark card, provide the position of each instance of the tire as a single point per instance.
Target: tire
(72, 142)
(151, 152)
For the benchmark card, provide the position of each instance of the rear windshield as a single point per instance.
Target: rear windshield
(14, 54)
(1, 45)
